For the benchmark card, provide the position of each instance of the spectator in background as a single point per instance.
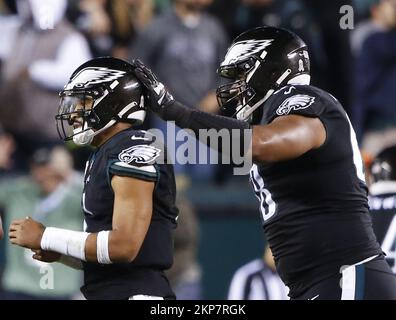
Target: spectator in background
(46, 49)
(9, 24)
(92, 18)
(7, 148)
(185, 274)
(50, 194)
(362, 9)
(141, 12)
(382, 202)
(160, 5)
(110, 25)
(258, 280)
(374, 113)
(184, 46)
(317, 22)
(374, 23)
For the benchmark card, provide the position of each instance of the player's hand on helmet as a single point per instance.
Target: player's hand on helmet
(156, 93)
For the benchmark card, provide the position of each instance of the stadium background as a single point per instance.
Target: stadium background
(227, 228)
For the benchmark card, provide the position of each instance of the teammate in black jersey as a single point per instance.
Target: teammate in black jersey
(382, 202)
(128, 199)
(307, 171)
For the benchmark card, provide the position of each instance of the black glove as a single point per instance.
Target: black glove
(157, 95)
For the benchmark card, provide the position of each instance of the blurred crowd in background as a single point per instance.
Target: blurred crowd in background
(183, 41)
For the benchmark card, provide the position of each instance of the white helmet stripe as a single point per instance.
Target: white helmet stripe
(256, 65)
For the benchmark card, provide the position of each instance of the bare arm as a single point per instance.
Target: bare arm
(71, 262)
(50, 256)
(286, 138)
(131, 218)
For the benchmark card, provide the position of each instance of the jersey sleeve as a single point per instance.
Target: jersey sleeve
(297, 100)
(135, 160)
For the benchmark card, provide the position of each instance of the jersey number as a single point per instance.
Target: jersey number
(357, 157)
(267, 204)
(389, 244)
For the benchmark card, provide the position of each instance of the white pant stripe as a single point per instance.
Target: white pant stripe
(349, 280)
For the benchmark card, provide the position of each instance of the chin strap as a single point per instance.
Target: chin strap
(86, 136)
(245, 112)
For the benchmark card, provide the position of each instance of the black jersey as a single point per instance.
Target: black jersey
(382, 203)
(314, 208)
(130, 153)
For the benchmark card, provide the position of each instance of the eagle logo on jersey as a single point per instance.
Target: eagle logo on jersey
(141, 154)
(93, 75)
(244, 49)
(296, 102)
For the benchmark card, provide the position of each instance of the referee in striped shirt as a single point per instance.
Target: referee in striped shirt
(258, 280)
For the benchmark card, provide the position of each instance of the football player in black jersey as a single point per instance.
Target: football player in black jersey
(382, 201)
(128, 198)
(307, 171)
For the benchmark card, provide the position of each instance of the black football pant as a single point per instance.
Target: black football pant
(372, 280)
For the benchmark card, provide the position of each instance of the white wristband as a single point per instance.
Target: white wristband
(102, 247)
(67, 242)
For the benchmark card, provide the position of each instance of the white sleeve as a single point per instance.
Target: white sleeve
(54, 74)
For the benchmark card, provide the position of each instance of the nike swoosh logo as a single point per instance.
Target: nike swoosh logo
(140, 138)
(314, 297)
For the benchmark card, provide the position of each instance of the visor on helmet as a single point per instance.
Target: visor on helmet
(74, 115)
(237, 70)
(231, 97)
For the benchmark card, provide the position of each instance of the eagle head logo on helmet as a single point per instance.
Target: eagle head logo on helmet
(259, 62)
(101, 92)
